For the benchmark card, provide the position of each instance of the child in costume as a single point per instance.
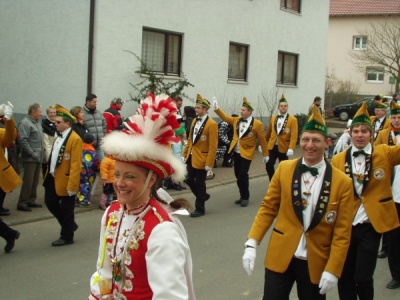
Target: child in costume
(107, 168)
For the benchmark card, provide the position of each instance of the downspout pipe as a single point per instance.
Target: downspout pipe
(91, 47)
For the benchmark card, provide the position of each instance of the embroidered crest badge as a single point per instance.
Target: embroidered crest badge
(203, 138)
(67, 156)
(379, 174)
(330, 217)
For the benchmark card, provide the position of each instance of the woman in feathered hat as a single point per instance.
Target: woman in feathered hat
(144, 253)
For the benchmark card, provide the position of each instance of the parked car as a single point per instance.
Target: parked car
(347, 111)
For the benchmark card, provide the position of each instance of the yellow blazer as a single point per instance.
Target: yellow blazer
(9, 179)
(328, 236)
(287, 138)
(377, 193)
(248, 141)
(204, 148)
(67, 171)
(385, 137)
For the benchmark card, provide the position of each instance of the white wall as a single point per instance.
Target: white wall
(46, 41)
(44, 47)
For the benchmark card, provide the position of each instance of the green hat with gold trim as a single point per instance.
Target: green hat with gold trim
(247, 104)
(62, 112)
(283, 99)
(380, 104)
(316, 123)
(204, 102)
(394, 108)
(362, 116)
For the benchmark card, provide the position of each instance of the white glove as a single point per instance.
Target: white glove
(8, 111)
(208, 169)
(183, 159)
(260, 149)
(289, 153)
(328, 281)
(215, 103)
(2, 107)
(249, 258)
(71, 193)
(265, 159)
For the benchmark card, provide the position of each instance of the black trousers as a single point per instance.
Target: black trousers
(277, 286)
(359, 267)
(274, 154)
(196, 180)
(5, 231)
(241, 168)
(2, 197)
(394, 249)
(62, 208)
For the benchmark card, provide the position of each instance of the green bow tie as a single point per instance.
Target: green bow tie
(243, 120)
(304, 168)
(281, 116)
(357, 153)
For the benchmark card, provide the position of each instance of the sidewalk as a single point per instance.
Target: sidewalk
(222, 176)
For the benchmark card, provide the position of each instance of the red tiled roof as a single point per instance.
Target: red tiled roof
(364, 7)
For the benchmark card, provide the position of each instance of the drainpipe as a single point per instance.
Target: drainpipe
(90, 47)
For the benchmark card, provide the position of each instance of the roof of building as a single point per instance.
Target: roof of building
(364, 7)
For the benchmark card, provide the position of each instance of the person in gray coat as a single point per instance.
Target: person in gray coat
(30, 137)
(95, 123)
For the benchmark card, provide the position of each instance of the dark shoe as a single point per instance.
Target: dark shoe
(11, 242)
(34, 204)
(244, 203)
(393, 284)
(238, 201)
(382, 254)
(207, 196)
(76, 227)
(61, 242)
(4, 212)
(24, 208)
(196, 214)
(4, 209)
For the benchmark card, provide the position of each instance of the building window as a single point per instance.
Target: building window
(238, 55)
(360, 43)
(375, 75)
(287, 68)
(291, 4)
(161, 51)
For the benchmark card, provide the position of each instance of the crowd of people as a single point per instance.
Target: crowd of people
(329, 217)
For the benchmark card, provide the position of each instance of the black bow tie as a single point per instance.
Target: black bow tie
(198, 118)
(357, 153)
(59, 134)
(396, 132)
(243, 120)
(304, 168)
(281, 116)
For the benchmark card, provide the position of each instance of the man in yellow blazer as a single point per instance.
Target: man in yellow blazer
(371, 169)
(199, 153)
(380, 120)
(247, 131)
(281, 136)
(312, 204)
(61, 181)
(9, 179)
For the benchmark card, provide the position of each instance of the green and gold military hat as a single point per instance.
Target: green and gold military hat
(380, 104)
(394, 108)
(204, 102)
(316, 123)
(247, 104)
(62, 112)
(362, 116)
(283, 99)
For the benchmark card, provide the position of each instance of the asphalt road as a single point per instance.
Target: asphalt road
(35, 270)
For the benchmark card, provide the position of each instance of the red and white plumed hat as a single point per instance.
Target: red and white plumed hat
(146, 140)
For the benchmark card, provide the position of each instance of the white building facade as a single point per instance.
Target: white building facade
(227, 48)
